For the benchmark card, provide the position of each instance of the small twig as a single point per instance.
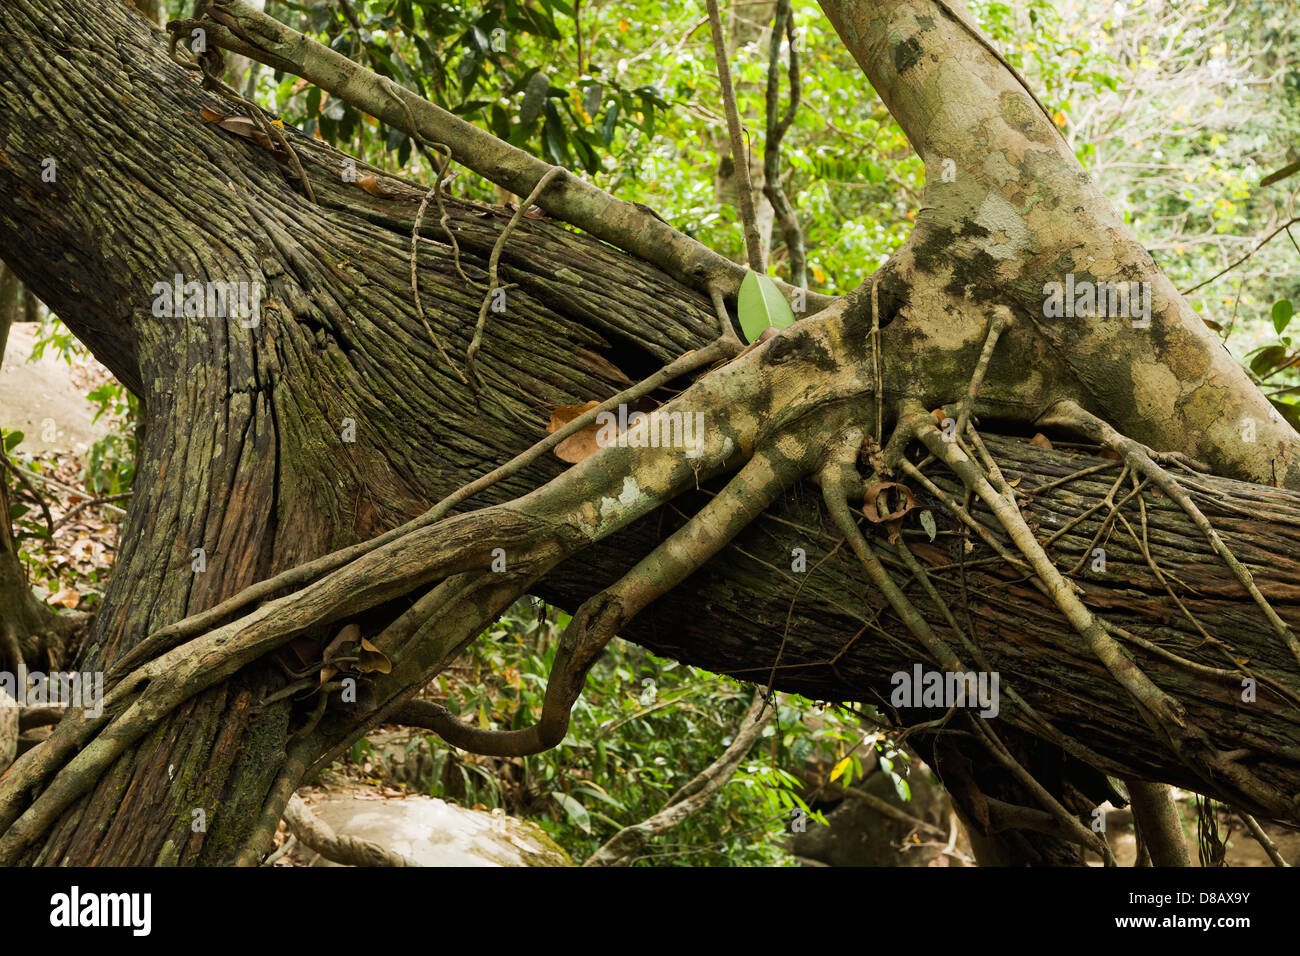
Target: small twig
(21, 474)
(1267, 239)
(92, 503)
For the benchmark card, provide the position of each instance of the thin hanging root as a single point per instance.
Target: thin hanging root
(1163, 713)
(175, 634)
(840, 474)
(494, 261)
(1082, 834)
(1104, 527)
(436, 191)
(1040, 724)
(877, 372)
(999, 322)
(599, 619)
(1070, 415)
(1106, 502)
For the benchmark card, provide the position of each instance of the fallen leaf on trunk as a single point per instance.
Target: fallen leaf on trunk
(372, 186)
(579, 445)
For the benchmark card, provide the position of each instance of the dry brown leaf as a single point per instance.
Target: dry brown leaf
(373, 660)
(1041, 441)
(372, 186)
(68, 597)
(873, 492)
(239, 125)
(209, 115)
(579, 445)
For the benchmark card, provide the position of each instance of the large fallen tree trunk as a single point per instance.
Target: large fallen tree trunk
(341, 414)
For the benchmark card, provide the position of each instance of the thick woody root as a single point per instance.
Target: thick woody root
(79, 751)
(173, 635)
(538, 531)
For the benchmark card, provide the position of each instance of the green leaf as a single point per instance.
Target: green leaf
(927, 522)
(761, 304)
(534, 97)
(607, 127)
(576, 811)
(1282, 312)
(1268, 360)
(12, 439)
(553, 138)
(1288, 411)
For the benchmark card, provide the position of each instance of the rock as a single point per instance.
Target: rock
(436, 833)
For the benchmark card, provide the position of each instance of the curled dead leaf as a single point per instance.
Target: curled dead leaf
(372, 660)
(1041, 441)
(372, 186)
(873, 492)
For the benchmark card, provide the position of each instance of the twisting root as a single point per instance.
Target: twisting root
(597, 622)
(494, 261)
(1069, 414)
(436, 191)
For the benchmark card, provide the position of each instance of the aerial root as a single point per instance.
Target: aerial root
(494, 262)
(1071, 415)
(173, 635)
(838, 476)
(599, 619)
(1162, 712)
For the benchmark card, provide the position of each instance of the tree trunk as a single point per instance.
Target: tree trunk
(335, 418)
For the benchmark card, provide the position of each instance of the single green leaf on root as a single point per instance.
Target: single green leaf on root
(761, 304)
